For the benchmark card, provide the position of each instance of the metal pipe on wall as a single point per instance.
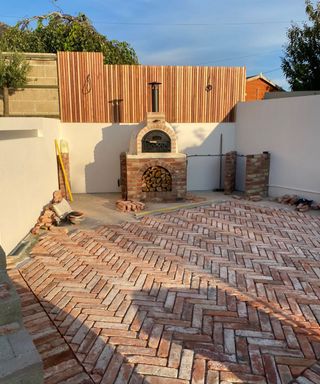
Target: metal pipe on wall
(220, 162)
(155, 95)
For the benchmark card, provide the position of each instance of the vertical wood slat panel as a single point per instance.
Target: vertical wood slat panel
(183, 94)
(81, 86)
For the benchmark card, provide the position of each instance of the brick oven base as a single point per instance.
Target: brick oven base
(134, 166)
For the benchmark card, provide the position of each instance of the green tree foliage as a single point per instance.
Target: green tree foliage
(13, 75)
(3, 27)
(301, 64)
(60, 32)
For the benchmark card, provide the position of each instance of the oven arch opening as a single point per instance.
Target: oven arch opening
(156, 141)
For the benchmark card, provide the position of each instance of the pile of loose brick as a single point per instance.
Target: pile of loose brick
(246, 197)
(48, 218)
(129, 206)
(302, 205)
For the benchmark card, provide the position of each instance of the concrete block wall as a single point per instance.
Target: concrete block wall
(40, 97)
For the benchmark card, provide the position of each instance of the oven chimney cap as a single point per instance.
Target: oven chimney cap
(115, 101)
(154, 84)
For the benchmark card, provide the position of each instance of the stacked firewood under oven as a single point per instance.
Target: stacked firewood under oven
(156, 179)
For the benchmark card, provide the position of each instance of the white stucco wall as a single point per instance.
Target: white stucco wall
(289, 129)
(95, 153)
(203, 139)
(28, 174)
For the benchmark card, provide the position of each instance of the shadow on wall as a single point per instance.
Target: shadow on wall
(203, 172)
(103, 174)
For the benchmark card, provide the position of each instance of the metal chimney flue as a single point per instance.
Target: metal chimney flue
(155, 96)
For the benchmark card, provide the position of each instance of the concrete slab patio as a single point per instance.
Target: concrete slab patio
(223, 293)
(100, 208)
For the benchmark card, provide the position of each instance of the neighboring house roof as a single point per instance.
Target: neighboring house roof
(265, 79)
(281, 95)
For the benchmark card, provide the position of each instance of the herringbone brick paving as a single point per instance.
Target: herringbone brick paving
(228, 293)
(60, 363)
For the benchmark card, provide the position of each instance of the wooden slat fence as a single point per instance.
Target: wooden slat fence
(81, 87)
(184, 93)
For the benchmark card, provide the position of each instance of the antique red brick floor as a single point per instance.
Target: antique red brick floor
(228, 293)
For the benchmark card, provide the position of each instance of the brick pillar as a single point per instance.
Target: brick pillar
(266, 166)
(123, 177)
(257, 174)
(64, 149)
(230, 166)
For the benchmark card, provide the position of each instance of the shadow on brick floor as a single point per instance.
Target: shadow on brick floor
(220, 294)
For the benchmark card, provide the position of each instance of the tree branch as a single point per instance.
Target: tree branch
(81, 18)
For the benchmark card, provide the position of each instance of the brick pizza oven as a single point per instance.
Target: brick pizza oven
(153, 169)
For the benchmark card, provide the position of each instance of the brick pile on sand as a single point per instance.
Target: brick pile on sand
(129, 205)
(302, 204)
(48, 218)
(246, 197)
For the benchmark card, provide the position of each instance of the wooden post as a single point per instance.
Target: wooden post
(63, 181)
(5, 101)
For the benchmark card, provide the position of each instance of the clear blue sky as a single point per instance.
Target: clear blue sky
(247, 33)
